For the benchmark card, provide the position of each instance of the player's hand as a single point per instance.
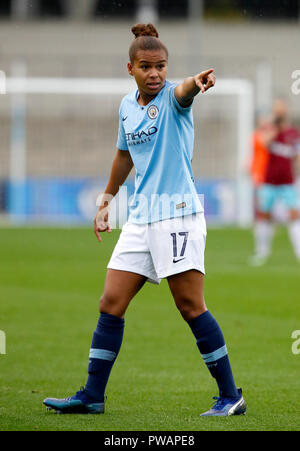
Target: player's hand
(101, 223)
(205, 80)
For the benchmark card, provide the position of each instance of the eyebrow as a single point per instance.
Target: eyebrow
(161, 61)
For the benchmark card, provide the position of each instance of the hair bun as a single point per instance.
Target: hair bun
(142, 29)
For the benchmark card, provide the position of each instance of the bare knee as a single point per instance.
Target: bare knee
(294, 215)
(190, 309)
(108, 304)
(263, 216)
(103, 302)
(112, 305)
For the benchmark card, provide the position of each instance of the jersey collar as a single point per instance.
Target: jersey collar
(153, 100)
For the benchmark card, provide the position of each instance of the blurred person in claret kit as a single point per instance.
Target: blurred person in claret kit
(276, 154)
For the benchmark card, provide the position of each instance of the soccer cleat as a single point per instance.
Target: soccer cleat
(80, 403)
(224, 407)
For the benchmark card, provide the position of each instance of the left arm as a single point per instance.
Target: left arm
(191, 86)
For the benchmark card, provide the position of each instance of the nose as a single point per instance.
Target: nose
(153, 73)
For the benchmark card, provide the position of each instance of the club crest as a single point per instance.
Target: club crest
(153, 111)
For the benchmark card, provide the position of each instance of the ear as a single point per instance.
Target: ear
(129, 68)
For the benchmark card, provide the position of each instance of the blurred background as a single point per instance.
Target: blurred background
(62, 77)
(63, 64)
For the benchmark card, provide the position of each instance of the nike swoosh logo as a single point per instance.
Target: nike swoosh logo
(124, 118)
(176, 261)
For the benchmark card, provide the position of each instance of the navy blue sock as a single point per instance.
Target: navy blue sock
(211, 344)
(107, 340)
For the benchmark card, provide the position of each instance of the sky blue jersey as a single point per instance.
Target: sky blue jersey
(160, 139)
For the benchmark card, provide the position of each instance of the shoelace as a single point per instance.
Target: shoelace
(221, 402)
(80, 393)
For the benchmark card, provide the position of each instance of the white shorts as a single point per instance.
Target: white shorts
(161, 249)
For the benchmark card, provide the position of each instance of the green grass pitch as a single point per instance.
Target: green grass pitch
(50, 281)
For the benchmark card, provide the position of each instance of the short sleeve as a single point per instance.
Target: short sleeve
(174, 102)
(122, 142)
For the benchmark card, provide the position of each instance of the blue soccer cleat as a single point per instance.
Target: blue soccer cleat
(80, 403)
(225, 407)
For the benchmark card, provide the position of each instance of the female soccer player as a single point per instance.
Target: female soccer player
(165, 233)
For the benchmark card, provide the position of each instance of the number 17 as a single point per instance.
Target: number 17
(174, 236)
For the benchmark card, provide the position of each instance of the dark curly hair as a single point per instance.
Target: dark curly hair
(146, 38)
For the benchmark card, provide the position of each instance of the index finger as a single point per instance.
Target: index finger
(207, 72)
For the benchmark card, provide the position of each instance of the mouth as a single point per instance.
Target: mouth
(153, 86)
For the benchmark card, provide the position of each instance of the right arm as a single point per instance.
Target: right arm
(121, 167)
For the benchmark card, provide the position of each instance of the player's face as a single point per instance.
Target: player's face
(280, 111)
(149, 70)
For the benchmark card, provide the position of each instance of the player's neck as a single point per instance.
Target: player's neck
(143, 98)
